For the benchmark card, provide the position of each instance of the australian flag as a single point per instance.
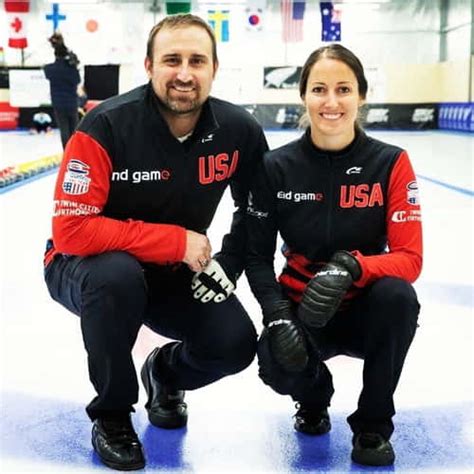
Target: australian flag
(330, 22)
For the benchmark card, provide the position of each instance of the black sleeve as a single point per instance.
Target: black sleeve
(233, 251)
(262, 231)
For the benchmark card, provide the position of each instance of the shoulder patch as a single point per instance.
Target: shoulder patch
(75, 179)
(413, 197)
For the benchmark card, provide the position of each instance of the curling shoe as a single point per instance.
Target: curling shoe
(166, 407)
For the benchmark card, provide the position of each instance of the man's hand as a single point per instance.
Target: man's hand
(198, 251)
(287, 342)
(324, 292)
(212, 283)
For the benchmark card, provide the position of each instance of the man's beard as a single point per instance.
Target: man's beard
(182, 106)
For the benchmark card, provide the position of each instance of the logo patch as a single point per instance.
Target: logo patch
(354, 170)
(208, 138)
(413, 215)
(299, 197)
(413, 197)
(75, 180)
(251, 211)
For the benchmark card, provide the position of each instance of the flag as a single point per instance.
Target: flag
(219, 22)
(292, 13)
(254, 19)
(17, 12)
(331, 22)
(178, 7)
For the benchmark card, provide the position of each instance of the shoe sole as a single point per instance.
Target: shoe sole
(365, 461)
(155, 419)
(118, 466)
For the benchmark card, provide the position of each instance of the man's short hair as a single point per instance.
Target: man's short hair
(181, 20)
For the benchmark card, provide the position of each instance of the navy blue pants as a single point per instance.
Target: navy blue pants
(378, 327)
(67, 120)
(114, 294)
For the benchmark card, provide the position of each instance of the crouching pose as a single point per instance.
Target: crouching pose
(347, 209)
(138, 187)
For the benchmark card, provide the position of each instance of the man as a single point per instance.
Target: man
(138, 187)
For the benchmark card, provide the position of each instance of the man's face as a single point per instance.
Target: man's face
(182, 68)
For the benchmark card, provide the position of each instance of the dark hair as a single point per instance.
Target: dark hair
(178, 21)
(61, 51)
(340, 53)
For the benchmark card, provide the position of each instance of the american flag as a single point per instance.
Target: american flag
(292, 13)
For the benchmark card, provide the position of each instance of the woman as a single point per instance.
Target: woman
(64, 78)
(347, 209)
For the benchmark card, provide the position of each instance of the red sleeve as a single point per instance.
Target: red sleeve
(404, 235)
(82, 188)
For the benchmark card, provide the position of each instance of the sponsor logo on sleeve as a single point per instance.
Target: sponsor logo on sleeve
(64, 207)
(76, 180)
(251, 211)
(413, 197)
(413, 215)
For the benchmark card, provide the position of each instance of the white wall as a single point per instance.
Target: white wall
(393, 35)
(459, 26)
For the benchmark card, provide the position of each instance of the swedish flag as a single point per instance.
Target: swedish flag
(219, 22)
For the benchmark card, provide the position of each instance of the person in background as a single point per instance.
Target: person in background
(136, 192)
(63, 76)
(347, 208)
(41, 122)
(81, 101)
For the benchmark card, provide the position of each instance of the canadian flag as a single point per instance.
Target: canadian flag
(16, 16)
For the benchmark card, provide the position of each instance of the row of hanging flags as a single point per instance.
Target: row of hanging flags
(292, 15)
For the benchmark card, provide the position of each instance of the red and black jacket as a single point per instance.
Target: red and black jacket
(126, 183)
(363, 199)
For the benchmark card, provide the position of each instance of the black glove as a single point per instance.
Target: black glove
(287, 342)
(324, 292)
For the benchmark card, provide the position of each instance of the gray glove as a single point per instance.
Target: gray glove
(212, 283)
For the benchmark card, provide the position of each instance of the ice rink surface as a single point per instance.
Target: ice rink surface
(238, 425)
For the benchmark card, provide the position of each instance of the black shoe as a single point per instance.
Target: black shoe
(166, 407)
(117, 444)
(371, 449)
(311, 420)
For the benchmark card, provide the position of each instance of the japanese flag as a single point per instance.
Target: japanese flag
(17, 12)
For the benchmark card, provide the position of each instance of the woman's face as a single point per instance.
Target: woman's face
(332, 102)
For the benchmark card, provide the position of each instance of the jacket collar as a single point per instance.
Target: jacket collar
(311, 149)
(207, 121)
